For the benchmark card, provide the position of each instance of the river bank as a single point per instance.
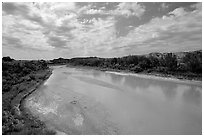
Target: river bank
(43, 129)
(154, 75)
(17, 119)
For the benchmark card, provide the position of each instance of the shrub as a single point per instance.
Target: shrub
(137, 69)
(7, 59)
(193, 62)
(170, 61)
(182, 67)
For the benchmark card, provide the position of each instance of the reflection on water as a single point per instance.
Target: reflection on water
(134, 104)
(116, 78)
(194, 97)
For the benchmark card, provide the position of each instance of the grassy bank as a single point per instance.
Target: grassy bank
(20, 79)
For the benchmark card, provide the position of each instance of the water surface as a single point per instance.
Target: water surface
(82, 101)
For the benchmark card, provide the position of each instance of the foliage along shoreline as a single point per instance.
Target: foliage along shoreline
(180, 65)
(19, 80)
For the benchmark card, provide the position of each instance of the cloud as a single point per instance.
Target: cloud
(32, 24)
(61, 7)
(197, 6)
(25, 36)
(57, 41)
(130, 9)
(125, 9)
(14, 9)
(95, 11)
(178, 31)
(91, 37)
(164, 6)
(55, 27)
(178, 12)
(22, 10)
(69, 30)
(12, 41)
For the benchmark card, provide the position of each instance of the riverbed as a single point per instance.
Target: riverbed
(86, 101)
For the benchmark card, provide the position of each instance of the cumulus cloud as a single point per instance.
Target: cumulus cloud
(178, 12)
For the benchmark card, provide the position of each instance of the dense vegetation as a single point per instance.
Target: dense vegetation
(59, 61)
(187, 65)
(19, 79)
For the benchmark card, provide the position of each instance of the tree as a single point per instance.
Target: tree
(113, 60)
(131, 60)
(144, 62)
(193, 62)
(7, 59)
(170, 61)
(154, 61)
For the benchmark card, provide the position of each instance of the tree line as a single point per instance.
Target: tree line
(187, 63)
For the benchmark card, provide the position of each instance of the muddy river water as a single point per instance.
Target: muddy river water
(85, 101)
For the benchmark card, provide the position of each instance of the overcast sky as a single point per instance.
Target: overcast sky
(53, 30)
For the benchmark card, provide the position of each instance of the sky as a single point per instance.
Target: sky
(103, 29)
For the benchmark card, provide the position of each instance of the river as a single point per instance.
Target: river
(86, 101)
